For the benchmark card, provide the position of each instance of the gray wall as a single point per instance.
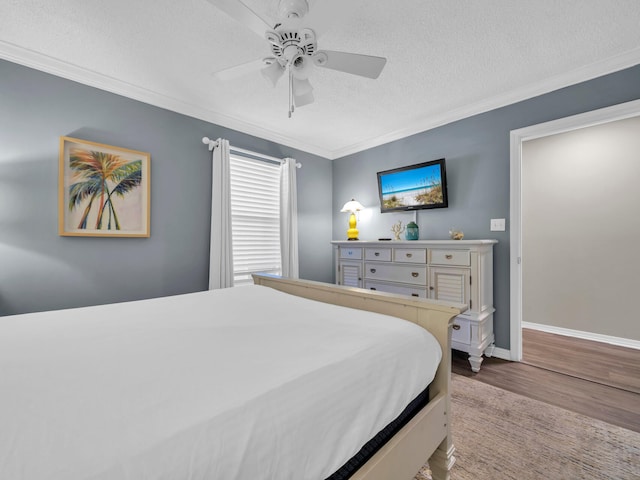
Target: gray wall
(477, 154)
(41, 271)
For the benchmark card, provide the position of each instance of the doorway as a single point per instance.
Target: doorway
(518, 259)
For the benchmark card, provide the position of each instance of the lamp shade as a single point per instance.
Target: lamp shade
(352, 206)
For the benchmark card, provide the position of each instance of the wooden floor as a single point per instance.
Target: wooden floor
(555, 371)
(599, 362)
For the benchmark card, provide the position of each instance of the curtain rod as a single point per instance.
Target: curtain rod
(213, 143)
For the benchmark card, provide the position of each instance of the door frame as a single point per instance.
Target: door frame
(517, 137)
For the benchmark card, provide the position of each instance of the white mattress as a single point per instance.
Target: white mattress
(244, 383)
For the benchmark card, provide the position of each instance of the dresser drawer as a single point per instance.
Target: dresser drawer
(352, 253)
(410, 255)
(461, 332)
(449, 257)
(413, 274)
(420, 292)
(378, 254)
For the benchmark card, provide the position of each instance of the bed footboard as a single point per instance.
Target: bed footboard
(428, 434)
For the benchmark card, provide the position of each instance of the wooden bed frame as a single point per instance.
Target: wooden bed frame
(428, 435)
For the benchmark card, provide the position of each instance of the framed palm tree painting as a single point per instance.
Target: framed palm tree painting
(103, 190)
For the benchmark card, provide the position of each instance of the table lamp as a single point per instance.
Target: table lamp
(352, 206)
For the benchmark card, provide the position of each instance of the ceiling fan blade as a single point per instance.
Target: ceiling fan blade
(237, 71)
(326, 14)
(354, 63)
(243, 14)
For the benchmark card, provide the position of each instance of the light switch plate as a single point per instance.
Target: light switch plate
(498, 224)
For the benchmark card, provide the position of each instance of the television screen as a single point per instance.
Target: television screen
(414, 187)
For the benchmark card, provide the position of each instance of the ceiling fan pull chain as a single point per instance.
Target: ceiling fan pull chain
(290, 89)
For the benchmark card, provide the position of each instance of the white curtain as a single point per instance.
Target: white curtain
(289, 218)
(221, 252)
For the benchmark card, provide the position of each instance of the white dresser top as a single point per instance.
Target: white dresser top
(412, 243)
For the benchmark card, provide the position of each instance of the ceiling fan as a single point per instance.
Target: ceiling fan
(293, 44)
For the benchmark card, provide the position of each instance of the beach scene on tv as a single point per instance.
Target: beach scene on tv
(415, 187)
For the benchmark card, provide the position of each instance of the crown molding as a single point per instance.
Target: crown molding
(69, 71)
(38, 61)
(619, 62)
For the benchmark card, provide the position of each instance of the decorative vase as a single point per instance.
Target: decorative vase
(412, 231)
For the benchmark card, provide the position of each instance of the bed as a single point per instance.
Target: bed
(273, 381)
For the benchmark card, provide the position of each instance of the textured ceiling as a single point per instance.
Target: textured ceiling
(446, 59)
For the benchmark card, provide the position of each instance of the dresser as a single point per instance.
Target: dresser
(458, 271)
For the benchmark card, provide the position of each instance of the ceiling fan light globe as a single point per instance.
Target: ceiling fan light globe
(301, 87)
(302, 67)
(272, 72)
(302, 100)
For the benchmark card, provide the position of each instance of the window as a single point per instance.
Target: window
(255, 217)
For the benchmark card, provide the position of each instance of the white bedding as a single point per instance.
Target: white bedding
(234, 384)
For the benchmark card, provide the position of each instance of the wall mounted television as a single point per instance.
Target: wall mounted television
(413, 187)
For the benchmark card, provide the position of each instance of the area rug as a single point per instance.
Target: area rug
(502, 435)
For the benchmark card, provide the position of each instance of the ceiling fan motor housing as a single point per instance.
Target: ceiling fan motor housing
(288, 43)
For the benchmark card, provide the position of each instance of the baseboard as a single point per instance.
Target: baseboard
(596, 337)
(501, 353)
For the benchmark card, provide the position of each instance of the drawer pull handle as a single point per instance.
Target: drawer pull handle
(377, 254)
(431, 288)
(448, 257)
(372, 288)
(415, 295)
(456, 326)
(373, 270)
(409, 255)
(414, 274)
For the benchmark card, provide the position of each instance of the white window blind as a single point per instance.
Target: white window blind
(255, 217)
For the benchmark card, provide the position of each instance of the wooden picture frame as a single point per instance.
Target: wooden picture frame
(103, 191)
